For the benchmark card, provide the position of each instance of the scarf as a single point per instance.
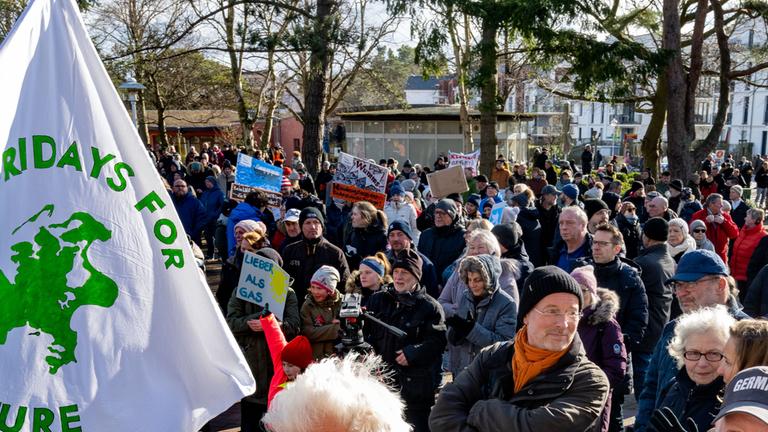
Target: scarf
(689, 244)
(528, 362)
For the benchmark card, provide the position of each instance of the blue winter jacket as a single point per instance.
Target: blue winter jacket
(213, 200)
(243, 211)
(191, 212)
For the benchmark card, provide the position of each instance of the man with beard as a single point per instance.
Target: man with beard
(190, 210)
(313, 251)
(400, 238)
(444, 242)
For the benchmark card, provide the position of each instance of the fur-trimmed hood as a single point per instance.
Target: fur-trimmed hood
(605, 309)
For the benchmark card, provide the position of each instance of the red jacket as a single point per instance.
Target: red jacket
(743, 248)
(707, 189)
(718, 234)
(276, 342)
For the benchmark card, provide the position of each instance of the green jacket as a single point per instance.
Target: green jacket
(254, 344)
(317, 326)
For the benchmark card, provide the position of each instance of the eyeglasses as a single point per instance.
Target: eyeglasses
(712, 356)
(556, 314)
(603, 243)
(699, 231)
(687, 286)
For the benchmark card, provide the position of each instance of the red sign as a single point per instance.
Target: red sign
(354, 194)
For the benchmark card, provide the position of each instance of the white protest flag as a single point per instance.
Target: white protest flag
(106, 324)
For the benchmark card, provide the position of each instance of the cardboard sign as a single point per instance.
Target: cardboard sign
(354, 194)
(447, 181)
(257, 173)
(263, 282)
(239, 191)
(360, 180)
(465, 160)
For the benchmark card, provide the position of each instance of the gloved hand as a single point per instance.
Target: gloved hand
(461, 326)
(265, 312)
(664, 420)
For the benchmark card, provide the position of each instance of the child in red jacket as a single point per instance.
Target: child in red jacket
(289, 359)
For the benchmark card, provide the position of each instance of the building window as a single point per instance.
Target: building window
(579, 134)
(765, 111)
(602, 113)
(297, 144)
(751, 39)
(592, 113)
(745, 116)
(744, 135)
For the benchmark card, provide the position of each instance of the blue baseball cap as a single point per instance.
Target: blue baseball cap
(697, 264)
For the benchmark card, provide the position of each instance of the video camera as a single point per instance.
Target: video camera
(351, 316)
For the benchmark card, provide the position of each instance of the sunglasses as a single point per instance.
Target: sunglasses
(699, 230)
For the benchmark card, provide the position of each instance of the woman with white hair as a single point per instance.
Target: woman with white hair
(485, 314)
(679, 241)
(697, 346)
(480, 242)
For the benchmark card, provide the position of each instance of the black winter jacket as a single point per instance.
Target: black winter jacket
(303, 258)
(569, 396)
(442, 245)
(657, 267)
(363, 242)
(421, 317)
(528, 219)
(687, 399)
(756, 302)
(622, 276)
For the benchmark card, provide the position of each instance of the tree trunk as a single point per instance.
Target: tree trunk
(713, 137)
(487, 79)
(316, 93)
(677, 142)
(652, 139)
(462, 63)
(235, 68)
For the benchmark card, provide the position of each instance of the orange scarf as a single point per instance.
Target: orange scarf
(528, 362)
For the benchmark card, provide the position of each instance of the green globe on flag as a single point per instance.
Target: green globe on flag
(106, 323)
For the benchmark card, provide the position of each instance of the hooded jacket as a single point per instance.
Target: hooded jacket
(403, 211)
(622, 276)
(604, 344)
(454, 289)
(658, 267)
(421, 318)
(213, 201)
(567, 397)
(317, 323)
(241, 212)
(494, 316)
(631, 233)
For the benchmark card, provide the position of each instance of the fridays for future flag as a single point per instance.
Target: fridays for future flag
(106, 324)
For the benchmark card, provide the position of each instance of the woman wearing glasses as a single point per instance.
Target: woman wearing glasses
(678, 240)
(695, 393)
(699, 233)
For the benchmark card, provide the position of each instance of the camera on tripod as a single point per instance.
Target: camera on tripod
(351, 316)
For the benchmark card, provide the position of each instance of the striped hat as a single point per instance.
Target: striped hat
(285, 184)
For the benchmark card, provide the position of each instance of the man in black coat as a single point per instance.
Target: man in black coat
(657, 267)
(586, 159)
(444, 242)
(415, 357)
(304, 257)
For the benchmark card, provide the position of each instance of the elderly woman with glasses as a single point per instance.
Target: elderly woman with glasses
(679, 241)
(699, 234)
(694, 395)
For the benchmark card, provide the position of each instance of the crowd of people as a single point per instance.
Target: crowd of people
(592, 287)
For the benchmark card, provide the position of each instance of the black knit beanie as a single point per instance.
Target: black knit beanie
(507, 234)
(311, 213)
(656, 229)
(542, 282)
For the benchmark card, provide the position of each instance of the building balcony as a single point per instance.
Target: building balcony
(546, 109)
(627, 119)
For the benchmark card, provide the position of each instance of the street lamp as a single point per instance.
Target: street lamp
(132, 89)
(615, 124)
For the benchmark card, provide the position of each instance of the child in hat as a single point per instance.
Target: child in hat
(289, 359)
(320, 312)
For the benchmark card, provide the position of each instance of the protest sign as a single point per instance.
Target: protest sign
(497, 212)
(447, 181)
(465, 160)
(106, 322)
(360, 180)
(238, 193)
(257, 173)
(263, 282)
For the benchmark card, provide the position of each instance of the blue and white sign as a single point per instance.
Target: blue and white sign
(257, 173)
(263, 282)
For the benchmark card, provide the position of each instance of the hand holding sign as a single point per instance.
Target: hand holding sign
(264, 283)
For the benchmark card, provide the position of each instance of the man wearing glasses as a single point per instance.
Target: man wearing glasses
(541, 380)
(701, 280)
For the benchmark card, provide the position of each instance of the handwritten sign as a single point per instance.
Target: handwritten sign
(263, 282)
(447, 181)
(465, 160)
(359, 180)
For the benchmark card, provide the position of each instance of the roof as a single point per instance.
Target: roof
(195, 118)
(417, 82)
(427, 113)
